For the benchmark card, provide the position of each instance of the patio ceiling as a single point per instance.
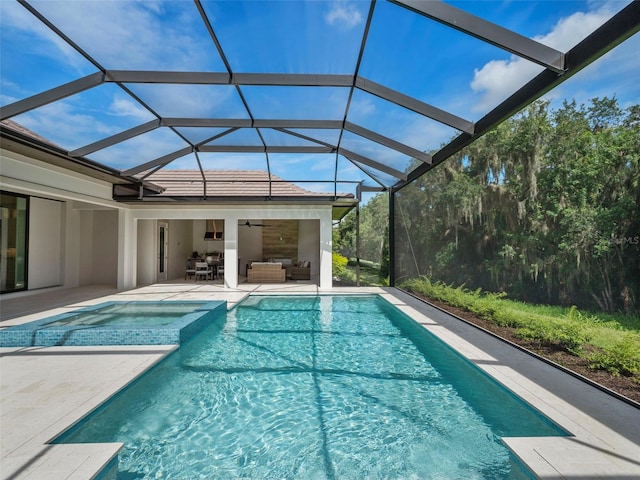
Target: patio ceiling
(340, 97)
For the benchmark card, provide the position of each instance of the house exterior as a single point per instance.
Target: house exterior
(84, 226)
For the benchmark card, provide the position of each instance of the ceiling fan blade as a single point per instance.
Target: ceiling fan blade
(249, 224)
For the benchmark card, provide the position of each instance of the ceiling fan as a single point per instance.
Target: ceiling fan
(249, 224)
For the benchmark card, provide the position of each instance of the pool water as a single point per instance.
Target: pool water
(131, 313)
(314, 387)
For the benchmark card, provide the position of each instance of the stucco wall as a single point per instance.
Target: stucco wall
(199, 244)
(105, 248)
(180, 246)
(146, 266)
(309, 244)
(46, 254)
(249, 246)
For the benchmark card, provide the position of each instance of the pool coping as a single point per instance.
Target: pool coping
(606, 431)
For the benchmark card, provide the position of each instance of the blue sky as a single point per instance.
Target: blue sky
(405, 52)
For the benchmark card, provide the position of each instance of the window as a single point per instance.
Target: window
(13, 241)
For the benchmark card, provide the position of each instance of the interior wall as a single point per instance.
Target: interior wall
(105, 248)
(280, 239)
(199, 244)
(249, 246)
(180, 246)
(309, 244)
(146, 265)
(46, 256)
(71, 245)
(86, 247)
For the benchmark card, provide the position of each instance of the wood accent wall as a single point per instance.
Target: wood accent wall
(273, 247)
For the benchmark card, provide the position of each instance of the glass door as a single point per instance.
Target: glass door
(163, 253)
(13, 241)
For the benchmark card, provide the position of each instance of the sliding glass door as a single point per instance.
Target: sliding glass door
(163, 251)
(14, 223)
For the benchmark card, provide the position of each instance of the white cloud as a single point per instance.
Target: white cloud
(498, 79)
(615, 74)
(361, 108)
(570, 30)
(79, 128)
(124, 107)
(17, 21)
(175, 100)
(6, 99)
(343, 14)
(347, 171)
(424, 134)
(140, 149)
(134, 35)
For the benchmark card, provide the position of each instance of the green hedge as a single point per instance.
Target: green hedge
(609, 342)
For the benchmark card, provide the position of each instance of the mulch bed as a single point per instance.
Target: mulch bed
(625, 386)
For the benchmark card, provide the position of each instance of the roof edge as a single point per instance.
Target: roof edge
(33, 147)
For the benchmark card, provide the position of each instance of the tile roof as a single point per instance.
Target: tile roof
(15, 126)
(229, 183)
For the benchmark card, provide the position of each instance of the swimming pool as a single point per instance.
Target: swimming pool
(314, 387)
(117, 323)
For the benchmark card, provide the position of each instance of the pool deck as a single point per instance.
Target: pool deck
(44, 390)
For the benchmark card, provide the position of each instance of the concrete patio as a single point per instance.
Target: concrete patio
(47, 389)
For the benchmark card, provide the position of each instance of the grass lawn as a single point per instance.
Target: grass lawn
(369, 274)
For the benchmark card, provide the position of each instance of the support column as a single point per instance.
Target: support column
(72, 246)
(231, 252)
(392, 236)
(358, 244)
(326, 258)
(127, 249)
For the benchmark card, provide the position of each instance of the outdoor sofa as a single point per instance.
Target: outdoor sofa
(266, 272)
(301, 271)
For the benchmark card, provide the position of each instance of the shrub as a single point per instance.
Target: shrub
(616, 351)
(623, 358)
(570, 337)
(571, 333)
(340, 270)
(339, 265)
(573, 337)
